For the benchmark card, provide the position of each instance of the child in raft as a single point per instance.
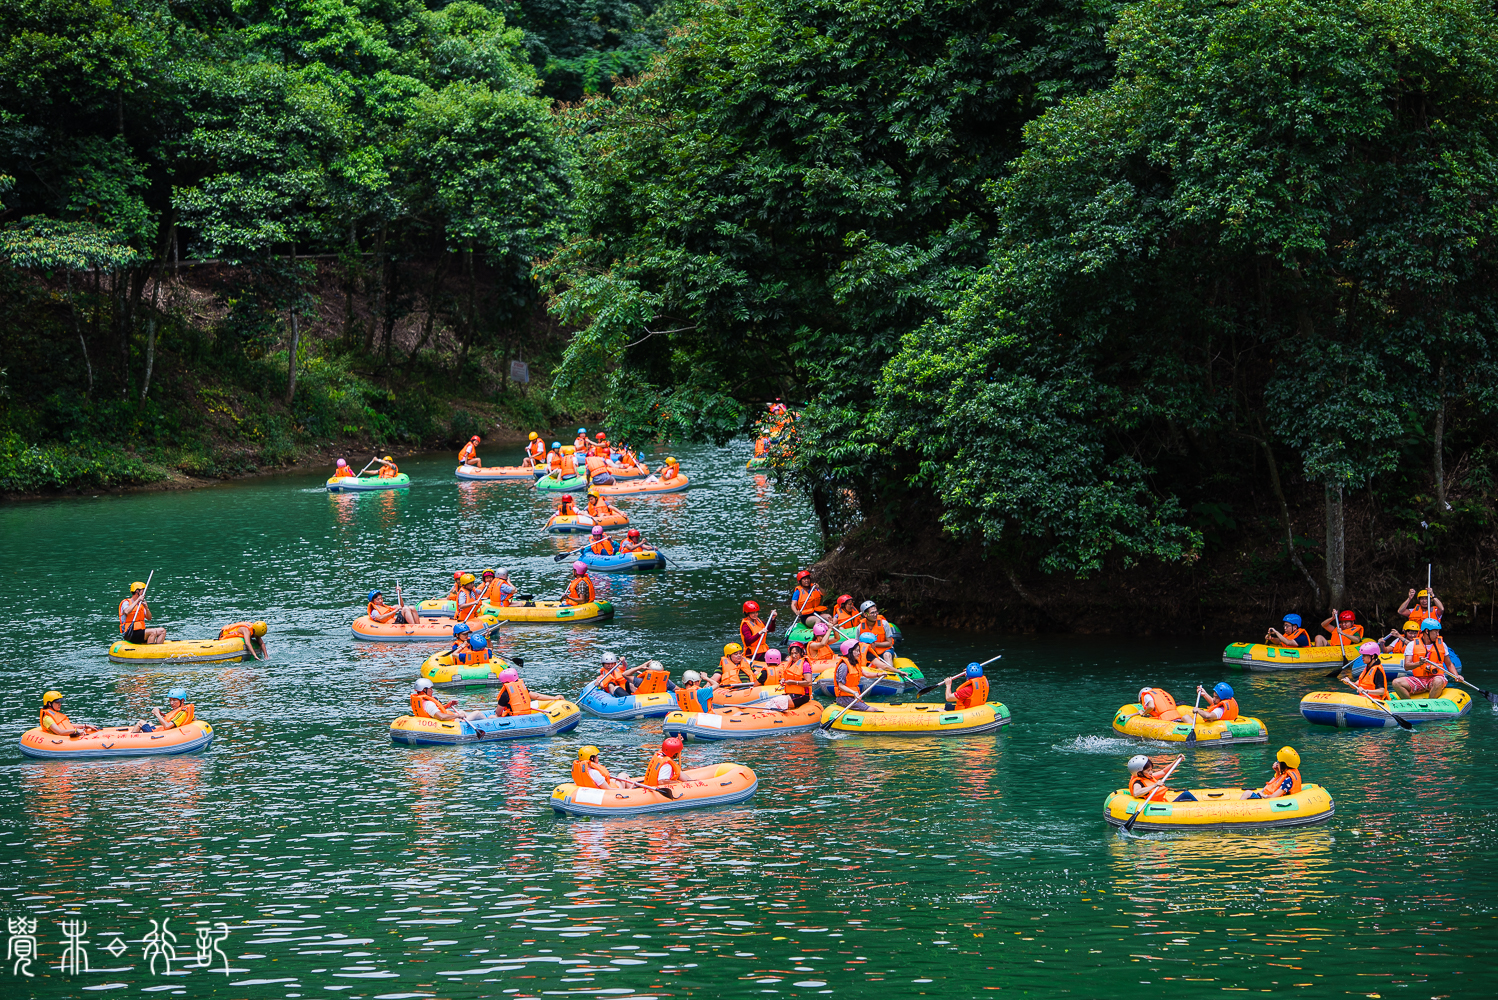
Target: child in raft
(1286, 780)
(1146, 781)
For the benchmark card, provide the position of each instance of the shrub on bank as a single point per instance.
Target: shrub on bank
(30, 468)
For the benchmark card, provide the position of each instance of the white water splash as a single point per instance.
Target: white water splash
(1096, 744)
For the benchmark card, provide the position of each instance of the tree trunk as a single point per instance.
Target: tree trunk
(473, 316)
(168, 244)
(295, 332)
(439, 267)
(377, 315)
(1440, 443)
(393, 284)
(145, 385)
(78, 329)
(1279, 494)
(348, 285)
(1336, 554)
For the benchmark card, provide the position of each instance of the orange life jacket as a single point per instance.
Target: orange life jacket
(614, 678)
(749, 634)
(669, 472)
(389, 470)
(1346, 635)
(51, 716)
(520, 699)
(232, 631)
(730, 672)
(841, 689)
(689, 698)
(417, 708)
(629, 546)
(774, 673)
(1139, 786)
(554, 462)
(343, 472)
(134, 618)
(1421, 651)
(1229, 708)
(652, 682)
(794, 682)
(566, 507)
(1374, 681)
(580, 591)
(977, 693)
(568, 467)
(536, 450)
(761, 445)
(846, 618)
(1294, 634)
(580, 442)
(381, 612)
(1165, 705)
(660, 762)
(820, 651)
(878, 631)
(603, 547)
(582, 779)
(804, 600)
(469, 451)
(468, 603)
(180, 717)
(471, 655)
(1274, 783)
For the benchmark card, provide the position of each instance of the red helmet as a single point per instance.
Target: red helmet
(750, 608)
(599, 435)
(457, 574)
(844, 598)
(1347, 616)
(566, 496)
(671, 746)
(805, 573)
(633, 532)
(474, 438)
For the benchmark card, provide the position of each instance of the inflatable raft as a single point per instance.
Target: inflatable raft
(117, 742)
(742, 695)
(641, 561)
(427, 630)
(440, 669)
(551, 613)
(800, 633)
(632, 706)
(1258, 656)
(907, 677)
(558, 717)
(187, 651)
(742, 722)
(485, 473)
(367, 484)
(919, 719)
(715, 785)
(582, 524)
(641, 487)
(618, 471)
(1130, 721)
(1222, 809)
(553, 484)
(1347, 710)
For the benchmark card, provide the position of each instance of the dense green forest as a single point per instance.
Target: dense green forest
(1175, 309)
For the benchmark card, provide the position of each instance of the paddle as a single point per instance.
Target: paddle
(1128, 826)
(822, 727)
(564, 555)
(649, 788)
(141, 599)
(933, 687)
(1191, 736)
(1490, 696)
(365, 469)
(1403, 723)
(1343, 647)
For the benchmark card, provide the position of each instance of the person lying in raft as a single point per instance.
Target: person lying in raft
(580, 590)
(54, 721)
(1422, 605)
(1221, 705)
(1157, 703)
(1343, 628)
(470, 453)
(602, 545)
(253, 634)
(342, 471)
(388, 468)
(665, 767)
(588, 771)
(1146, 781)
(633, 542)
(972, 693)
(1291, 635)
(384, 614)
(850, 677)
(1286, 780)
(670, 470)
(1428, 663)
(134, 613)
(424, 703)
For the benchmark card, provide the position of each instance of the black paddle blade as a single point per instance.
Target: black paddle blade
(1404, 724)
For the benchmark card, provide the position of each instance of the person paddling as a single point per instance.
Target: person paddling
(535, 451)
(424, 703)
(665, 767)
(588, 771)
(847, 684)
(1343, 628)
(602, 545)
(1428, 663)
(1221, 705)
(634, 542)
(1292, 635)
(134, 613)
(388, 468)
(973, 692)
(754, 633)
(806, 598)
(1147, 782)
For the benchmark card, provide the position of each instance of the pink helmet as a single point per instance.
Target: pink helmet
(848, 647)
(819, 629)
(508, 675)
(772, 656)
(1370, 649)
(579, 567)
(341, 463)
(597, 531)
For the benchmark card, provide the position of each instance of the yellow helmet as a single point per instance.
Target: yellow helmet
(50, 697)
(568, 449)
(732, 648)
(1288, 757)
(137, 585)
(259, 629)
(466, 579)
(1422, 593)
(584, 753)
(1412, 626)
(593, 491)
(671, 461)
(534, 435)
(387, 458)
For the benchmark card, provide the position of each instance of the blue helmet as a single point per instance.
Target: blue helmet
(1293, 620)
(478, 642)
(1429, 625)
(582, 430)
(1223, 691)
(461, 629)
(867, 637)
(556, 444)
(179, 693)
(974, 670)
(371, 596)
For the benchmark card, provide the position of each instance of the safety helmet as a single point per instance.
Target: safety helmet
(137, 585)
(1430, 625)
(556, 444)
(582, 430)
(844, 598)
(259, 629)
(847, 647)
(593, 491)
(732, 648)
(671, 746)
(580, 568)
(533, 436)
(597, 531)
(866, 606)
(568, 449)
(1223, 691)
(466, 579)
(751, 608)
(974, 670)
(487, 572)
(599, 435)
(387, 458)
(1423, 593)
(609, 657)
(502, 573)
(804, 574)
(1367, 649)
(671, 461)
(371, 596)
(508, 675)
(478, 642)
(1346, 616)
(474, 438)
(422, 684)
(179, 693)
(587, 752)
(653, 665)
(690, 676)
(1138, 763)
(1293, 620)
(461, 629)
(819, 629)
(1288, 757)
(457, 574)
(1142, 693)
(633, 533)
(1411, 626)
(772, 656)
(867, 637)
(341, 463)
(567, 497)
(50, 697)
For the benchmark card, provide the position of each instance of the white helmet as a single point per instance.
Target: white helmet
(866, 605)
(609, 657)
(691, 676)
(422, 684)
(1144, 693)
(501, 574)
(1138, 763)
(653, 665)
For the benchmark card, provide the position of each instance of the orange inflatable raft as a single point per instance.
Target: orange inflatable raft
(429, 630)
(644, 487)
(117, 742)
(636, 471)
(715, 785)
(582, 524)
(743, 722)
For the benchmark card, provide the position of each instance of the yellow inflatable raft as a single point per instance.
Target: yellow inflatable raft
(440, 669)
(1131, 721)
(917, 719)
(188, 651)
(1223, 809)
(551, 612)
(1258, 656)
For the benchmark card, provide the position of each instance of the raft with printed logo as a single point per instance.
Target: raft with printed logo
(486, 473)
(582, 524)
(550, 483)
(527, 612)
(181, 651)
(1131, 721)
(117, 742)
(641, 561)
(742, 722)
(556, 718)
(918, 719)
(367, 484)
(599, 702)
(715, 785)
(1347, 710)
(905, 676)
(1223, 809)
(440, 669)
(427, 630)
(643, 487)
(1259, 656)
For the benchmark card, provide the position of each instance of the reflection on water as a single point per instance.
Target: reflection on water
(866, 866)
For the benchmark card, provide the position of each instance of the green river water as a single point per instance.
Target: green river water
(322, 861)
